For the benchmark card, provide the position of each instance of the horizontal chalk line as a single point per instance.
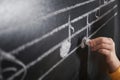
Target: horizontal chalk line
(67, 9)
(101, 26)
(51, 69)
(17, 50)
(54, 13)
(57, 64)
(55, 47)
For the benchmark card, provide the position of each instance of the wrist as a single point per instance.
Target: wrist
(113, 63)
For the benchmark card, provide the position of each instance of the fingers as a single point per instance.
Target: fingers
(106, 47)
(97, 41)
(102, 45)
(105, 52)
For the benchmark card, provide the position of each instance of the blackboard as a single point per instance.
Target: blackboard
(42, 39)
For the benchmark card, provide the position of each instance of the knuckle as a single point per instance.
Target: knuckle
(103, 39)
(105, 52)
(102, 51)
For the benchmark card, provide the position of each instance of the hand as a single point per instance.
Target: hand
(106, 47)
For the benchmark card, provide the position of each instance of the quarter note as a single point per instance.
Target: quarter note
(66, 45)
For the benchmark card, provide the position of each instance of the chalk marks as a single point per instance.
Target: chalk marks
(65, 47)
(9, 69)
(59, 44)
(52, 14)
(6, 56)
(102, 25)
(17, 50)
(85, 39)
(97, 13)
(23, 47)
(67, 9)
(59, 62)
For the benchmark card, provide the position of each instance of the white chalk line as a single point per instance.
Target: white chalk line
(17, 50)
(11, 58)
(101, 26)
(44, 55)
(55, 47)
(58, 63)
(103, 15)
(9, 69)
(67, 9)
(56, 13)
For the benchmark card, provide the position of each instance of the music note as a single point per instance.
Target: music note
(85, 39)
(66, 45)
(97, 13)
(6, 56)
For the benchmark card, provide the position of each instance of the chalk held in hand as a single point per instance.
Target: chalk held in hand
(85, 41)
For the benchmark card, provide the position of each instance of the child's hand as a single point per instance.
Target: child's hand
(105, 46)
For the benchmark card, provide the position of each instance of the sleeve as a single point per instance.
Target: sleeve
(115, 75)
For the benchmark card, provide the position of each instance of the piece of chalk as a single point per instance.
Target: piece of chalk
(87, 41)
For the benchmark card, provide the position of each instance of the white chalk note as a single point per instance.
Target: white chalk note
(65, 47)
(27, 64)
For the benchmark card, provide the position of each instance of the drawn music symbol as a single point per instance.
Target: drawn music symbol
(8, 57)
(97, 13)
(86, 39)
(66, 45)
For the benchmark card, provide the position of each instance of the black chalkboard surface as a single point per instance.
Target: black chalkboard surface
(42, 39)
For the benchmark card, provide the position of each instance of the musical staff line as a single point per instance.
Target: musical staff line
(67, 9)
(23, 47)
(101, 26)
(56, 12)
(59, 62)
(58, 45)
(66, 45)
(6, 56)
